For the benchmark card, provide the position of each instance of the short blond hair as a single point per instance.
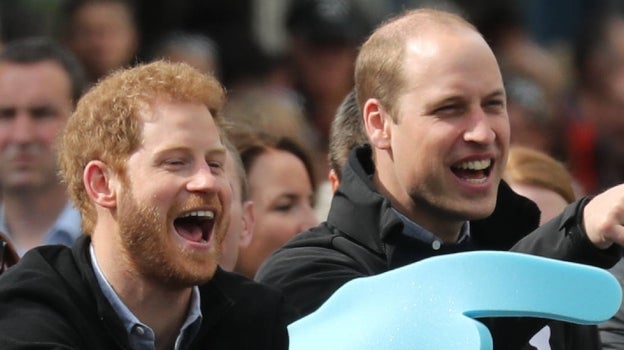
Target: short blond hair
(379, 65)
(106, 124)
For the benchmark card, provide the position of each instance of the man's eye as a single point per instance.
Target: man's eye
(495, 105)
(448, 110)
(174, 162)
(283, 207)
(7, 114)
(215, 165)
(43, 112)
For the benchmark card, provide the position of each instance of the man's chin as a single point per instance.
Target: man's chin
(484, 214)
(22, 186)
(478, 212)
(189, 276)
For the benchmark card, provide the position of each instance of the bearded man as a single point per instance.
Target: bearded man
(143, 160)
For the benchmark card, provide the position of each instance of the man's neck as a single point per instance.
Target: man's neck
(30, 215)
(162, 309)
(448, 229)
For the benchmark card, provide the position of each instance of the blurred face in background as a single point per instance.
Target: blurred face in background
(548, 201)
(35, 102)
(281, 190)
(103, 36)
(241, 226)
(610, 123)
(325, 70)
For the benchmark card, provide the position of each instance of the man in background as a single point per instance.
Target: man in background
(39, 84)
(103, 34)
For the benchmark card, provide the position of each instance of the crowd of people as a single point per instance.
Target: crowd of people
(157, 200)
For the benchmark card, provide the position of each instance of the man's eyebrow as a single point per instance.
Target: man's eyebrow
(221, 150)
(183, 147)
(500, 92)
(450, 98)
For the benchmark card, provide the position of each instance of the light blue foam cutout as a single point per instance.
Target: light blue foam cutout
(430, 304)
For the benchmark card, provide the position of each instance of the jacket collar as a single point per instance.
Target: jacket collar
(214, 301)
(107, 315)
(366, 216)
(357, 209)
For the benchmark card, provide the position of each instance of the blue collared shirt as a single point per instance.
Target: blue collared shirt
(65, 229)
(412, 229)
(140, 336)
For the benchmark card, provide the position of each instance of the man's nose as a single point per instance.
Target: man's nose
(203, 180)
(23, 128)
(480, 128)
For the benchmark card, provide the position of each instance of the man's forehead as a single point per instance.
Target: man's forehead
(434, 37)
(421, 47)
(46, 79)
(191, 122)
(151, 107)
(34, 67)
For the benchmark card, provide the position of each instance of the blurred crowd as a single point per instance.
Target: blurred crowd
(288, 64)
(563, 61)
(291, 115)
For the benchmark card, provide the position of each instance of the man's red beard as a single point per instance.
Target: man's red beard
(154, 253)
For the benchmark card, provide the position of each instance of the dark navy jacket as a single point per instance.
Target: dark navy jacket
(51, 300)
(363, 236)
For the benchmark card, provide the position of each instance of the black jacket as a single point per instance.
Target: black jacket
(51, 300)
(363, 236)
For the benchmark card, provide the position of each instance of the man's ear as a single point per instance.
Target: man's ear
(249, 220)
(377, 124)
(333, 180)
(98, 181)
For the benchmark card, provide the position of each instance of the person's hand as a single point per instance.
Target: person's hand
(603, 218)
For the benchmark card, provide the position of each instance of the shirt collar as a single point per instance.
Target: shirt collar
(69, 221)
(413, 230)
(65, 229)
(140, 335)
(3, 226)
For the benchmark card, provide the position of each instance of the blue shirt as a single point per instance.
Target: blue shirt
(412, 229)
(140, 336)
(65, 229)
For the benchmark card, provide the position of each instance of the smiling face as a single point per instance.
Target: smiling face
(281, 191)
(173, 207)
(441, 157)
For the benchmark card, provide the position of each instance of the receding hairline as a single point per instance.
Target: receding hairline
(393, 36)
(424, 25)
(426, 19)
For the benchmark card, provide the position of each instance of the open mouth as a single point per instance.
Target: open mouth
(474, 171)
(195, 226)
